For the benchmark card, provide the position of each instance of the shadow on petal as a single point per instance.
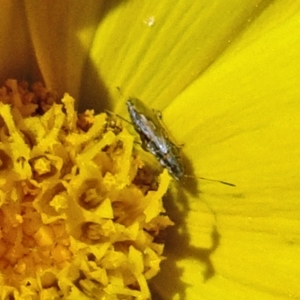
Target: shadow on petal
(168, 284)
(94, 93)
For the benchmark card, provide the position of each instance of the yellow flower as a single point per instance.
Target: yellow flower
(226, 76)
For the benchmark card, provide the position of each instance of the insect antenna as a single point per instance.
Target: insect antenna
(209, 179)
(120, 117)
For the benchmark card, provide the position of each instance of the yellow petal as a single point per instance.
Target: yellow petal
(157, 62)
(241, 125)
(16, 56)
(61, 34)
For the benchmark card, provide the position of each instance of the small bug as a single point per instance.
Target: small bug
(156, 141)
(154, 138)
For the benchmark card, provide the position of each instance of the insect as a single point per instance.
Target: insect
(155, 139)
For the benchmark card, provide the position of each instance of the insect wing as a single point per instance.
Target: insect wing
(154, 137)
(149, 131)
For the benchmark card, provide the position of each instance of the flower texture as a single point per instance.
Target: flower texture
(225, 75)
